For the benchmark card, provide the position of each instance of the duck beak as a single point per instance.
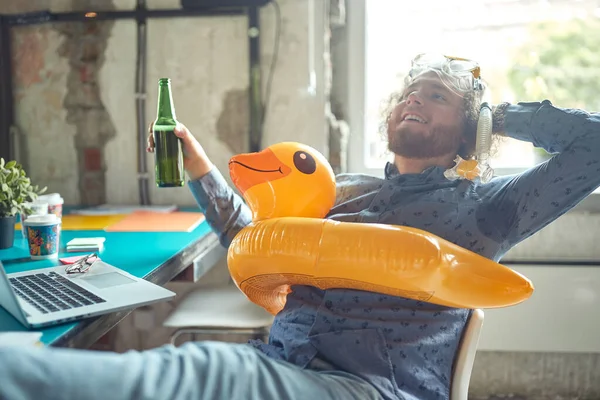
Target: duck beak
(251, 169)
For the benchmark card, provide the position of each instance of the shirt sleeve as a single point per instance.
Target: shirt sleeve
(225, 210)
(522, 204)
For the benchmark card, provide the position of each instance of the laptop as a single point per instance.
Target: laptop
(50, 296)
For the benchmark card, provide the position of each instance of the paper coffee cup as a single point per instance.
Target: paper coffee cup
(37, 208)
(43, 236)
(55, 203)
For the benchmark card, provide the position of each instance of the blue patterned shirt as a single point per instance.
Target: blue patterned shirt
(407, 348)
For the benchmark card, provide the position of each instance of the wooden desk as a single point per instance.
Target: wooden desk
(157, 257)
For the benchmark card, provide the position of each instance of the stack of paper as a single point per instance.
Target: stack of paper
(91, 244)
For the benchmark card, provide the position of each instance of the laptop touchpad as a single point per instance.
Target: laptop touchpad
(110, 279)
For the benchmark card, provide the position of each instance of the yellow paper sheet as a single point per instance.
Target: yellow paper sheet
(145, 221)
(89, 222)
(86, 222)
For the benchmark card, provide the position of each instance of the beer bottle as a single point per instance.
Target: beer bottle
(168, 151)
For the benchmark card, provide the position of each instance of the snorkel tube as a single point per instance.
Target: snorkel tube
(479, 167)
(483, 143)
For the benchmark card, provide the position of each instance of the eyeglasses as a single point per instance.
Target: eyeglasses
(461, 73)
(82, 265)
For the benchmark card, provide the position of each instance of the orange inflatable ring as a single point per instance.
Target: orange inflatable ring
(290, 187)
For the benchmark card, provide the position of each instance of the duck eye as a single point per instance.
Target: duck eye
(304, 162)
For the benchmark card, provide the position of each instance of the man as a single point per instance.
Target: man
(347, 344)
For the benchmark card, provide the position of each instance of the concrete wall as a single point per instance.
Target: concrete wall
(74, 87)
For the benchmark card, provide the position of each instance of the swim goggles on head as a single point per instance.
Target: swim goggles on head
(459, 74)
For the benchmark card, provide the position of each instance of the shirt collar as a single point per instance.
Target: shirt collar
(431, 173)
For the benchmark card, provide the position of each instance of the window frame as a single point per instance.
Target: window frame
(356, 14)
(356, 81)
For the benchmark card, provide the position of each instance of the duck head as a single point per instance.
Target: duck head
(287, 179)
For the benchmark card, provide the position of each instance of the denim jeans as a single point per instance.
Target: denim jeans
(195, 370)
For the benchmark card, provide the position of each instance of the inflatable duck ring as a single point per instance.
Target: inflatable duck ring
(290, 188)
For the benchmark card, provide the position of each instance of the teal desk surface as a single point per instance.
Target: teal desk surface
(155, 256)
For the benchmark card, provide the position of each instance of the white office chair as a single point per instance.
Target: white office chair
(221, 310)
(459, 389)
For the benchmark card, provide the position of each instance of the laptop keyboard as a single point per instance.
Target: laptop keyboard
(52, 292)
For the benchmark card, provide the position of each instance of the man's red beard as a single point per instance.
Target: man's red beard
(441, 140)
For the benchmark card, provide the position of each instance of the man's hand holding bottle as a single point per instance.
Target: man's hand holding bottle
(195, 161)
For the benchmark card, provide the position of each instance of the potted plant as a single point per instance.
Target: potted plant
(16, 195)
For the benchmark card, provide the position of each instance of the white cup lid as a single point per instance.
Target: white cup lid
(52, 198)
(48, 219)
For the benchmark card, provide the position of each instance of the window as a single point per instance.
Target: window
(529, 50)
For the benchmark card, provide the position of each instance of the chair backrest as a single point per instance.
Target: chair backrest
(461, 377)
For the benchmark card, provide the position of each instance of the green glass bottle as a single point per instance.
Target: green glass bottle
(168, 150)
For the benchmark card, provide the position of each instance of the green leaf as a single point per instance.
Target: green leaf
(16, 188)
